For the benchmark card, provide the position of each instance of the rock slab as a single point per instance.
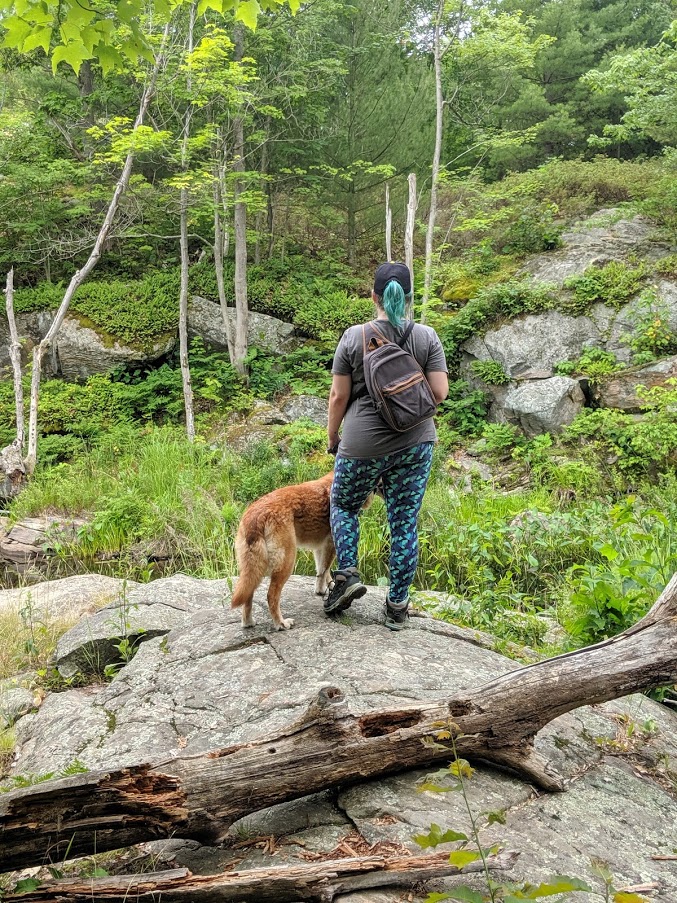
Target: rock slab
(200, 681)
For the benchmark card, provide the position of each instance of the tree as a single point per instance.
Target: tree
(73, 32)
(647, 77)
(477, 54)
(553, 98)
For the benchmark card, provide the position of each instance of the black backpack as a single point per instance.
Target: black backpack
(395, 380)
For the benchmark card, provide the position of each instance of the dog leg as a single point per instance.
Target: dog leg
(281, 573)
(324, 555)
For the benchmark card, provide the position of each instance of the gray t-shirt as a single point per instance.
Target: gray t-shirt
(365, 433)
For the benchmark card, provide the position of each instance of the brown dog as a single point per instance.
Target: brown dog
(271, 530)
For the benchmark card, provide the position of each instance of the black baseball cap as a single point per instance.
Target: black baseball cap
(397, 271)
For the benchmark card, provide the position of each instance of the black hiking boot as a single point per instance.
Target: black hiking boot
(346, 587)
(396, 615)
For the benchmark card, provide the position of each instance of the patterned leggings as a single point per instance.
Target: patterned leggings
(405, 475)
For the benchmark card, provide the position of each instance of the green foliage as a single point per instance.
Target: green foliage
(490, 372)
(595, 363)
(611, 594)
(613, 284)
(462, 414)
(652, 336)
(534, 230)
(639, 446)
(138, 313)
(493, 302)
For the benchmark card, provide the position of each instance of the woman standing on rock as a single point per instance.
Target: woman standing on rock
(371, 451)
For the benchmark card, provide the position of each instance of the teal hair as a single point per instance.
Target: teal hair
(393, 302)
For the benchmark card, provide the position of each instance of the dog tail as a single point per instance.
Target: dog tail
(252, 563)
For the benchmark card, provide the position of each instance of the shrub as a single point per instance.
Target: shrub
(137, 313)
(652, 336)
(490, 372)
(534, 230)
(613, 284)
(595, 363)
(464, 411)
(639, 446)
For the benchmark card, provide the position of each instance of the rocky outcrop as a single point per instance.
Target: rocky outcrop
(205, 320)
(307, 407)
(205, 683)
(79, 350)
(68, 599)
(620, 391)
(31, 328)
(543, 406)
(529, 347)
(24, 546)
(595, 241)
(82, 351)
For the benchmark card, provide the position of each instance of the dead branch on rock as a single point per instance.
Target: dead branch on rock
(199, 796)
(282, 884)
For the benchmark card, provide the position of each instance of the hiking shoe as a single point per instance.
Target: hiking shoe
(396, 616)
(345, 587)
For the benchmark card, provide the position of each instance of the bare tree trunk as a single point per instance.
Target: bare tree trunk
(409, 240)
(439, 121)
(219, 250)
(200, 796)
(389, 225)
(271, 220)
(239, 167)
(352, 224)
(183, 240)
(264, 173)
(279, 884)
(15, 357)
(81, 275)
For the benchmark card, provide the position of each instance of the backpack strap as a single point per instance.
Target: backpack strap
(405, 335)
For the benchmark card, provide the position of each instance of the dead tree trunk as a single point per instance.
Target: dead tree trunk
(81, 275)
(409, 241)
(437, 153)
(15, 357)
(183, 240)
(240, 215)
(389, 225)
(282, 884)
(200, 796)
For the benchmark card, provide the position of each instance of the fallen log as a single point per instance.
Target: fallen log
(200, 796)
(283, 884)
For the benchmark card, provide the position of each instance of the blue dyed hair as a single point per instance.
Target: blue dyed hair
(393, 302)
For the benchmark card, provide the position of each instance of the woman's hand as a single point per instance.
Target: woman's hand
(333, 440)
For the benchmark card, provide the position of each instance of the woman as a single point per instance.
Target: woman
(370, 452)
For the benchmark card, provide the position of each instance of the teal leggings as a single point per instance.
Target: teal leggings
(404, 475)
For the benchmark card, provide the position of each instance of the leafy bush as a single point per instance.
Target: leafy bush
(639, 446)
(652, 336)
(595, 363)
(534, 230)
(610, 595)
(463, 413)
(613, 284)
(137, 313)
(490, 372)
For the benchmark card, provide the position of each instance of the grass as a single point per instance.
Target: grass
(28, 641)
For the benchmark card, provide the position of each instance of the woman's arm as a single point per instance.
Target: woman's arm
(439, 383)
(339, 398)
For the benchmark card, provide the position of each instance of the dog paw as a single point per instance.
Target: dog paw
(248, 622)
(285, 624)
